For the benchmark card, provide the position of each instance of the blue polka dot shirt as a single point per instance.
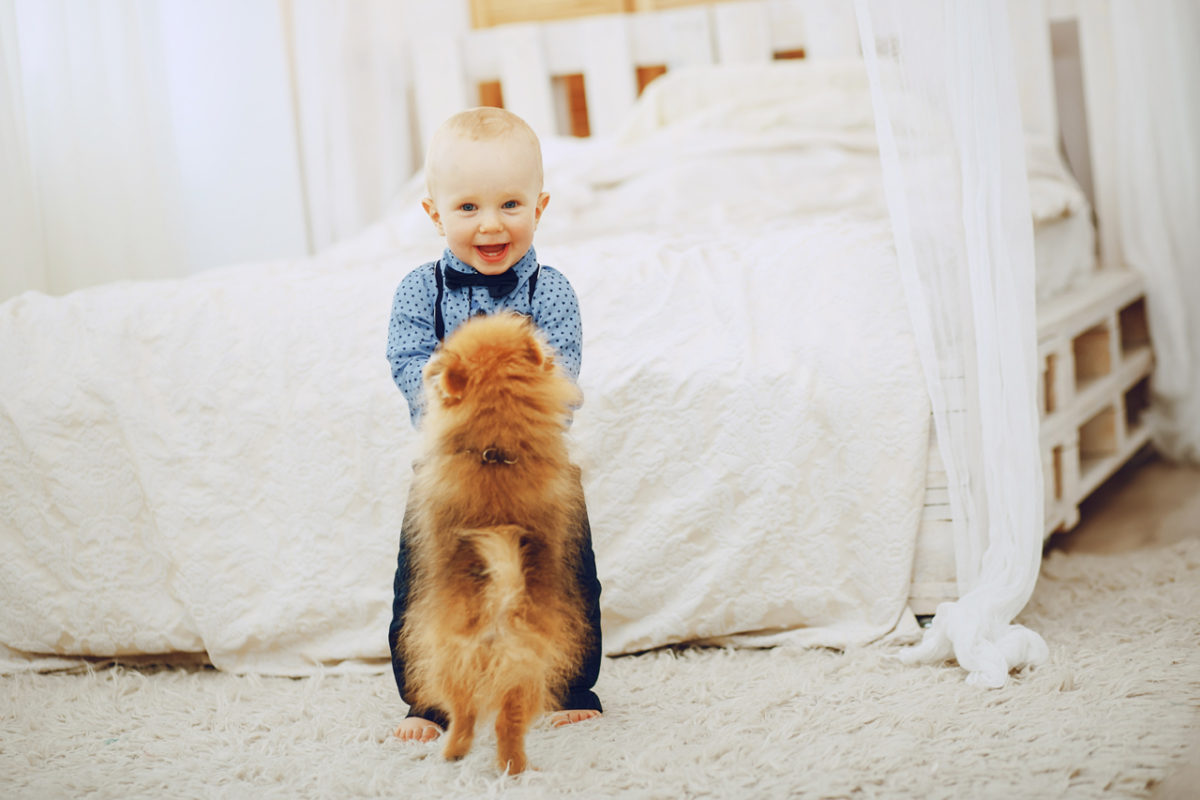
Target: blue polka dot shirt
(411, 337)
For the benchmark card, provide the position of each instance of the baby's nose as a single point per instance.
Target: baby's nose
(489, 221)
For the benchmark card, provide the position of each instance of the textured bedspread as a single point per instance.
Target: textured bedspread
(754, 437)
(220, 464)
(216, 464)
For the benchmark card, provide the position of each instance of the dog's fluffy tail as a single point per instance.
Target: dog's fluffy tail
(500, 549)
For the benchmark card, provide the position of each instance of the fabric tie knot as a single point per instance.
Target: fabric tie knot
(498, 285)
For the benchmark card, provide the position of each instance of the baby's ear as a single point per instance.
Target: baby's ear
(431, 209)
(446, 374)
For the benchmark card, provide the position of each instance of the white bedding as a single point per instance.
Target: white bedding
(754, 438)
(220, 464)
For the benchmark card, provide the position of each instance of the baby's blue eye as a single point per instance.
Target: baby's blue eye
(511, 204)
(468, 206)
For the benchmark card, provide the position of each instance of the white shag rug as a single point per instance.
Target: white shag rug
(1114, 713)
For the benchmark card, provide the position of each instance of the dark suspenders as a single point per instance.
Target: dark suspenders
(439, 324)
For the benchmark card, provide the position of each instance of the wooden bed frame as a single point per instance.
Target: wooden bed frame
(582, 75)
(1094, 386)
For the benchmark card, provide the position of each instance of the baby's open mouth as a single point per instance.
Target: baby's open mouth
(492, 252)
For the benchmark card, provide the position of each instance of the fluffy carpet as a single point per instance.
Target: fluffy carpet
(1113, 714)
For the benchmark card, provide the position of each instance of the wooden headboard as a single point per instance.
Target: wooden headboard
(530, 66)
(581, 75)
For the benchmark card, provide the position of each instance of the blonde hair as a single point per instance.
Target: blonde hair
(485, 123)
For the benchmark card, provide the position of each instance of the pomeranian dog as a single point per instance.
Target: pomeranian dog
(495, 623)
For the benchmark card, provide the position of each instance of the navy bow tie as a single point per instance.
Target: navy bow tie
(498, 285)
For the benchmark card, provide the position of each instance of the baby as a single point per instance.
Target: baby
(483, 174)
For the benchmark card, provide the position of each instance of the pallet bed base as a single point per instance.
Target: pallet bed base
(1093, 389)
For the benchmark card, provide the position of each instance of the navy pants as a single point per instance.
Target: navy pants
(579, 690)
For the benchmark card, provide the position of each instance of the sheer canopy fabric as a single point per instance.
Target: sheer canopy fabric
(153, 140)
(88, 190)
(1157, 46)
(952, 147)
(349, 73)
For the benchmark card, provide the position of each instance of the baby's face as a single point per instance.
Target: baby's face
(487, 200)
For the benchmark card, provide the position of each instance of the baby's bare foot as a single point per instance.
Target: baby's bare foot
(572, 715)
(417, 729)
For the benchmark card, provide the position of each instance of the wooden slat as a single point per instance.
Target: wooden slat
(786, 23)
(743, 33)
(831, 30)
(565, 45)
(525, 78)
(480, 53)
(1072, 313)
(610, 82)
(674, 38)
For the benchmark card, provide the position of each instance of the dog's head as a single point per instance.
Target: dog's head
(500, 365)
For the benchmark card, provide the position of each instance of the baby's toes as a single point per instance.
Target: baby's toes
(413, 731)
(572, 716)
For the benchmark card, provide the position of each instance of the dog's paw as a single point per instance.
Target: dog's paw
(456, 748)
(515, 764)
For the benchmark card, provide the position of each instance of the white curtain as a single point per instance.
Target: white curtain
(952, 146)
(87, 178)
(22, 254)
(1156, 46)
(350, 70)
(148, 138)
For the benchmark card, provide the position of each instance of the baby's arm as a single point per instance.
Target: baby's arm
(411, 340)
(556, 312)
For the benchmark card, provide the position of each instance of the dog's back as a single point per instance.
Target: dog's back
(496, 622)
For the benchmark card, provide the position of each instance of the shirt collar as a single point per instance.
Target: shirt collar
(524, 268)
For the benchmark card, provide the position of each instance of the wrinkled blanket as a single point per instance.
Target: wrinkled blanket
(220, 464)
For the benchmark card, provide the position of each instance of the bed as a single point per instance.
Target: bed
(218, 465)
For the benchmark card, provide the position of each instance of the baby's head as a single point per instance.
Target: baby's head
(483, 173)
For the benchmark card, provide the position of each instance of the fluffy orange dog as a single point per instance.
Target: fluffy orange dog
(493, 625)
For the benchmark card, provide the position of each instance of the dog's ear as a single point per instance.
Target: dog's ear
(453, 382)
(447, 375)
(538, 353)
(533, 352)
